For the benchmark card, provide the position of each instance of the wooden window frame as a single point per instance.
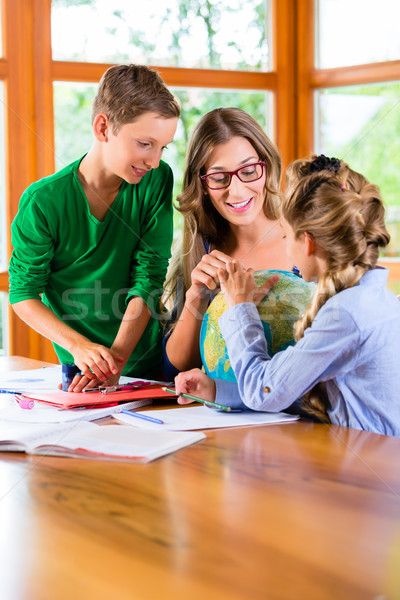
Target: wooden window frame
(28, 72)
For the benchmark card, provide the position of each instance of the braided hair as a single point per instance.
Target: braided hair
(344, 214)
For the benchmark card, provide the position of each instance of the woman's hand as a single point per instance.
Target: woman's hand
(238, 284)
(205, 274)
(197, 383)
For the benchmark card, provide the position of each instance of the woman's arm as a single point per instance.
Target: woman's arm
(182, 347)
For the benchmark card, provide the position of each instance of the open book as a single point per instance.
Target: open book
(88, 440)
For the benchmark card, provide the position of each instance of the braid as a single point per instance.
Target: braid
(344, 214)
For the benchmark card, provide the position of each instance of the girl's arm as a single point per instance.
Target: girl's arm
(197, 383)
(327, 349)
(182, 347)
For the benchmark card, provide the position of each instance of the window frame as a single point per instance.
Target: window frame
(28, 72)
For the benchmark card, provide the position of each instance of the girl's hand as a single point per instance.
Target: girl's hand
(238, 284)
(197, 383)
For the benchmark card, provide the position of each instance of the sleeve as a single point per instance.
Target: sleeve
(33, 251)
(227, 393)
(153, 251)
(168, 369)
(327, 349)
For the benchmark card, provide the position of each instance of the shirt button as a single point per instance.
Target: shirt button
(266, 390)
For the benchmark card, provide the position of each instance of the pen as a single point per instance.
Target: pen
(10, 392)
(141, 416)
(206, 402)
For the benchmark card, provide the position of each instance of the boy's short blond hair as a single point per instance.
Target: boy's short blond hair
(126, 92)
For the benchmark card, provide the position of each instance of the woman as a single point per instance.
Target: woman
(230, 204)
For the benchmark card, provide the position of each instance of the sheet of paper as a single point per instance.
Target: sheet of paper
(201, 417)
(45, 413)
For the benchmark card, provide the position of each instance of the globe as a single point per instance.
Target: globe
(279, 311)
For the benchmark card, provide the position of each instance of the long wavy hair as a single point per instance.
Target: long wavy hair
(344, 214)
(201, 219)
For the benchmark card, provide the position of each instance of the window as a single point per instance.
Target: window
(228, 35)
(335, 91)
(3, 221)
(355, 89)
(361, 124)
(356, 32)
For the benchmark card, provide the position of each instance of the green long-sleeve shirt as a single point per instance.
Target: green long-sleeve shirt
(86, 270)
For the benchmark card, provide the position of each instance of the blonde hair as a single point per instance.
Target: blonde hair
(126, 92)
(201, 219)
(344, 214)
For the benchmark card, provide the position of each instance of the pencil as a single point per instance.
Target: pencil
(206, 402)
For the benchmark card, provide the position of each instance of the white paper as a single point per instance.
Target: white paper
(44, 380)
(201, 417)
(45, 413)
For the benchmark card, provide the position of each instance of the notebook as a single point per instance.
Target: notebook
(88, 440)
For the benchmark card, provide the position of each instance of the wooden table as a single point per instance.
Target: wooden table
(295, 511)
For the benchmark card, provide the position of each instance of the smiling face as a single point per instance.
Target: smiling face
(240, 203)
(137, 147)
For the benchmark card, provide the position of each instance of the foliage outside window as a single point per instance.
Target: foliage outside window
(354, 32)
(203, 34)
(361, 125)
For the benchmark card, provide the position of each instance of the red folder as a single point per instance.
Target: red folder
(81, 399)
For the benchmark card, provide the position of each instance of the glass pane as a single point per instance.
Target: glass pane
(361, 125)
(227, 34)
(1, 29)
(3, 229)
(354, 32)
(72, 109)
(72, 119)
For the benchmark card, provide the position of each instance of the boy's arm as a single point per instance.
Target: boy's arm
(92, 359)
(133, 324)
(153, 250)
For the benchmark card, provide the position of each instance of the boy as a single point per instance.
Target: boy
(94, 239)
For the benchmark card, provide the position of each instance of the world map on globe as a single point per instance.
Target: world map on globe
(279, 311)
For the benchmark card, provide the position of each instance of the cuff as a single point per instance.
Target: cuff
(227, 393)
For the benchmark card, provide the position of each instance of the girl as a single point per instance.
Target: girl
(230, 204)
(348, 338)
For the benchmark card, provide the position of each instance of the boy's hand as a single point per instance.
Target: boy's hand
(97, 364)
(238, 284)
(197, 383)
(81, 382)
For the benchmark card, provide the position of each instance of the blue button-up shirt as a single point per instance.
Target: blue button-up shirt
(353, 345)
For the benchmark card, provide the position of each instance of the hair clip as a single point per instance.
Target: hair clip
(343, 187)
(324, 163)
